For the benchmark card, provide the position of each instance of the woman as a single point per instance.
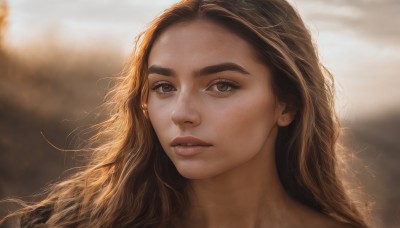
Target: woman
(224, 118)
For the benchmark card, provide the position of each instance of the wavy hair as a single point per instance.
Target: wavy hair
(130, 182)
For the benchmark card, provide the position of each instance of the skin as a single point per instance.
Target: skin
(233, 180)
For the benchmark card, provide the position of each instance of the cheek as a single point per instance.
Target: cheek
(158, 119)
(245, 124)
(247, 111)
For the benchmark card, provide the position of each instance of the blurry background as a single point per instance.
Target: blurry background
(56, 59)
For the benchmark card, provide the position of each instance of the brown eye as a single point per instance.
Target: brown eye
(223, 87)
(163, 88)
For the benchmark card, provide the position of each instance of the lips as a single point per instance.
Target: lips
(189, 146)
(188, 141)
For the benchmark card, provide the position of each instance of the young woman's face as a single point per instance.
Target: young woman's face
(210, 101)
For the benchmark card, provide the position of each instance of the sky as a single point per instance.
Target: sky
(358, 40)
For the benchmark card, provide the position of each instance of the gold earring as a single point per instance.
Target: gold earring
(145, 110)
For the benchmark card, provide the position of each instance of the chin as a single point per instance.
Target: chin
(194, 173)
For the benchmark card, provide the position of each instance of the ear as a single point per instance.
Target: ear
(286, 114)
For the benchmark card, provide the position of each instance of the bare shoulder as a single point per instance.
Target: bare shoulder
(312, 218)
(332, 223)
(322, 220)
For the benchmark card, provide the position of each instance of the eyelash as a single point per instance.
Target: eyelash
(158, 86)
(232, 86)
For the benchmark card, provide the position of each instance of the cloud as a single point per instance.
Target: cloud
(377, 20)
(82, 18)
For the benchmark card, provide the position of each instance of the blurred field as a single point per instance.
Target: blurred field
(375, 143)
(50, 87)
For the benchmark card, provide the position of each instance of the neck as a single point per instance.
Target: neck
(246, 196)
(250, 195)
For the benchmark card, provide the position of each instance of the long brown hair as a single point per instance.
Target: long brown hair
(131, 183)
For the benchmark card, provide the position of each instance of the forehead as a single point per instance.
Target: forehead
(199, 41)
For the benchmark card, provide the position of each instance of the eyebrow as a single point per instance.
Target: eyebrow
(154, 69)
(229, 66)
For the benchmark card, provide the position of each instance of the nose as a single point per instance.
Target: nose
(185, 112)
